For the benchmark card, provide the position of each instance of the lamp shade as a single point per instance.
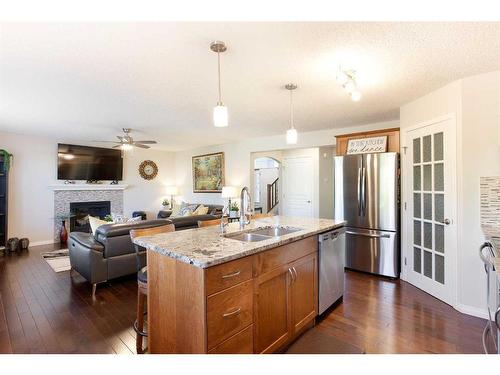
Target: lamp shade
(171, 190)
(229, 192)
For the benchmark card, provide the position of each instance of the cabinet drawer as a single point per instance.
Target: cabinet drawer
(241, 343)
(227, 274)
(228, 312)
(270, 259)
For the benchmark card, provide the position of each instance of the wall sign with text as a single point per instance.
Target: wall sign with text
(367, 145)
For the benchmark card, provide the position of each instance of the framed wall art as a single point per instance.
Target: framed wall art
(208, 173)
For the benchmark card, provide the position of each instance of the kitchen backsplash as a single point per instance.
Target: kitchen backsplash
(490, 201)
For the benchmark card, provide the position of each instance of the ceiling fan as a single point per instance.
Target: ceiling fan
(126, 142)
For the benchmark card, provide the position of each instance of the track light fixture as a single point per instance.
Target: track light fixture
(347, 79)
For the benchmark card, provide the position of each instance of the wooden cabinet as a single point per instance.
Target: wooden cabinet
(256, 304)
(272, 310)
(392, 139)
(3, 203)
(303, 292)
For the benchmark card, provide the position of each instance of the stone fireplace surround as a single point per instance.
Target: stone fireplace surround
(66, 194)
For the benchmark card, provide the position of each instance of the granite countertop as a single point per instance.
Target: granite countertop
(492, 234)
(205, 247)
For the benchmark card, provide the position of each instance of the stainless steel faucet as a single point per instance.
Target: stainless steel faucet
(244, 208)
(222, 224)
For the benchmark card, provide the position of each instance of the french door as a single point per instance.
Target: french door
(429, 248)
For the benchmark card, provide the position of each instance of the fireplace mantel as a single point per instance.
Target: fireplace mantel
(87, 187)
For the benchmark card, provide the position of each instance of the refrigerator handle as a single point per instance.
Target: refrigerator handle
(363, 192)
(359, 192)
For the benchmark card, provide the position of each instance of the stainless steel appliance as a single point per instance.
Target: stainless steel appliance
(366, 196)
(331, 268)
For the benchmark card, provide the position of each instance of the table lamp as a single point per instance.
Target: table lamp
(171, 190)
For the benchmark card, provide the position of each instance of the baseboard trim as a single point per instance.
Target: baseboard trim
(471, 310)
(39, 243)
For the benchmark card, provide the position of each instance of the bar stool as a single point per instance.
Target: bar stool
(208, 223)
(486, 254)
(142, 280)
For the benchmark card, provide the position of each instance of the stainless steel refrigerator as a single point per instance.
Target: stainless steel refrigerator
(367, 197)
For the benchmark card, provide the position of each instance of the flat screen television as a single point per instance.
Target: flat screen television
(88, 163)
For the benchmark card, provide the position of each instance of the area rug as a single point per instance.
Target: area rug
(58, 260)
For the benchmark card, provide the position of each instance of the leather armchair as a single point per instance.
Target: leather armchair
(107, 255)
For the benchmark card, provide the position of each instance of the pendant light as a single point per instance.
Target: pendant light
(220, 110)
(291, 134)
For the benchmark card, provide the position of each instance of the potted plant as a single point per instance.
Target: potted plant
(233, 209)
(6, 160)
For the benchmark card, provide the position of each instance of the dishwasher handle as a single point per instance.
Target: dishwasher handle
(369, 235)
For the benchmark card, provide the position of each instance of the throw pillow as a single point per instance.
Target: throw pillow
(201, 210)
(177, 209)
(119, 218)
(95, 223)
(134, 219)
(188, 207)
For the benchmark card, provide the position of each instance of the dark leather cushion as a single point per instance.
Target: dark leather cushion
(114, 230)
(163, 214)
(142, 275)
(87, 240)
(190, 221)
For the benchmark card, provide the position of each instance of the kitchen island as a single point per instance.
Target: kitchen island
(250, 291)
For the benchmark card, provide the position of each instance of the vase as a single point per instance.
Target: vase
(63, 233)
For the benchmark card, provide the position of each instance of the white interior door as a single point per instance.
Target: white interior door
(298, 186)
(430, 209)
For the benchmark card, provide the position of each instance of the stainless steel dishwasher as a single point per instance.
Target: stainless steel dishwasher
(331, 268)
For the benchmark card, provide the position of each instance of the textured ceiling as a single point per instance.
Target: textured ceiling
(86, 81)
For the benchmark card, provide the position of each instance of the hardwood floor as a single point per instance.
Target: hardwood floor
(46, 312)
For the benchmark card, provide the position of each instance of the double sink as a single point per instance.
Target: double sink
(261, 234)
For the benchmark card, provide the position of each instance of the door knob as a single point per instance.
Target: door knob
(446, 222)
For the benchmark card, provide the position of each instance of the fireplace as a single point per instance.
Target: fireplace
(81, 210)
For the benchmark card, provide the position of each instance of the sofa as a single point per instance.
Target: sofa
(187, 222)
(109, 253)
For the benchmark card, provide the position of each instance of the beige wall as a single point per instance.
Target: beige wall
(326, 209)
(34, 169)
(239, 162)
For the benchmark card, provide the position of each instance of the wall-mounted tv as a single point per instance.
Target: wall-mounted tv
(88, 163)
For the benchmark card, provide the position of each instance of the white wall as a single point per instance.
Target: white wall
(238, 158)
(34, 169)
(476, 103)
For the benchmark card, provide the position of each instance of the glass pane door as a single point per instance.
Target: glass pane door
(428, 206)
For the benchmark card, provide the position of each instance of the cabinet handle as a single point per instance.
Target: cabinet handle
(237, 311)
(291, 275)
(295, 272)
(228, 276)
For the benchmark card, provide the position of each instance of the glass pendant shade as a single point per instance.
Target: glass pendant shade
(356, 96)
(220, 116)
(291, 136)
(126, 147)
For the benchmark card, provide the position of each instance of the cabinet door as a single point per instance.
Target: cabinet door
(304, 291)
(272, 319)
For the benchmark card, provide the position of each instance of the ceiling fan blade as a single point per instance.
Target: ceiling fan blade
(147, 142)
(117, 146)
(107, 142)
(140, 145)
(120, 138)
